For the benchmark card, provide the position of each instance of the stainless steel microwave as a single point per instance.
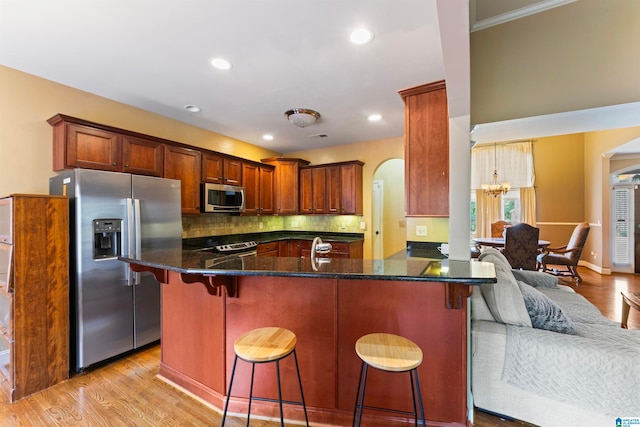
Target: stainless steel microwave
(222, 198)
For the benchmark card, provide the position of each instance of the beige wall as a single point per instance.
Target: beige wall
(26, 138)
(560, 186)
(573, 57)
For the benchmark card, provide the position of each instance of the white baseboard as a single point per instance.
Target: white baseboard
(596, 268)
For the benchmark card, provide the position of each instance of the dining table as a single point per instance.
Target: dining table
(498, 242)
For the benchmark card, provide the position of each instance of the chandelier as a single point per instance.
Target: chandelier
(494, 189)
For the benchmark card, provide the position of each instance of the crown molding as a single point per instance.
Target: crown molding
(518, 13)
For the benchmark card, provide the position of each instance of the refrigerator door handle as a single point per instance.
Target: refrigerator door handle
(137, 236)
(130, 242)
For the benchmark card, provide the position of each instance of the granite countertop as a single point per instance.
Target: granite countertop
(407, 269)
(199, 243)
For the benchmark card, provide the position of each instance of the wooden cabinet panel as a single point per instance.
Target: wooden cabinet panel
(141, 156)
(351, 188)
(219, 169)
(334, 194)
(338, 249)
(80, 144)
(84, 147)
(426, 150)
(306, 195)
(35, 352)
(271, 249)
(184, 164)
(267, 191)
(318, 190)
(334, 188)
(286, 187)
(258, 189)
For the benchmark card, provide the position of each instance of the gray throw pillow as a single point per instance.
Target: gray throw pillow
(544, 313)
(504, 298)
(536, 278)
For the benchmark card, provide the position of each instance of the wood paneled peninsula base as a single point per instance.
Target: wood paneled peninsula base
(208, 302)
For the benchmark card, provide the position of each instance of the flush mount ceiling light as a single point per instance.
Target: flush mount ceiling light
(302, 117)
(361, 36)
(220, 63)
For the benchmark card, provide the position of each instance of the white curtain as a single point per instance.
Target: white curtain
(514, 164)
(487, 212)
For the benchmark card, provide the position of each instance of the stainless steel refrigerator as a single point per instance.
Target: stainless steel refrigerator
(113, 309)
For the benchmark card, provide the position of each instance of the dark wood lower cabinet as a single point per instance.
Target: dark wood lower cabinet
(302, 248)
(328, 316)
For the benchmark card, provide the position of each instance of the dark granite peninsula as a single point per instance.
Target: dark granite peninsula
(209, 300)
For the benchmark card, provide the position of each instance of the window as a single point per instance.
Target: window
(510, 208)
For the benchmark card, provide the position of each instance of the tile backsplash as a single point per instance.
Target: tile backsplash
(217, 225)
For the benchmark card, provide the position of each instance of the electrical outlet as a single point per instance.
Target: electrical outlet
(421, 230)
(363, 225)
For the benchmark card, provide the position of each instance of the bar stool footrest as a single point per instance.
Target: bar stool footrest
(268, 399)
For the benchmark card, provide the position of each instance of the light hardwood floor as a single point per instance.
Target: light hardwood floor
(127, 392)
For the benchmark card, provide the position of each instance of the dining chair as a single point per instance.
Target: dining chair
(521, 246)
(498, 227)
(566, 256)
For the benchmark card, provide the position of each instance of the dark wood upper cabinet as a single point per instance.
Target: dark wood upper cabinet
(80, 144)
(351, 188)
(184, 164)
(219, 169)
(426, 150)
(258, 189)
(334, 188)
(286, 184)
(141, 156)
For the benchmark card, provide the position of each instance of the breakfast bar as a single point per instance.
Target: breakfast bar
(209, 300)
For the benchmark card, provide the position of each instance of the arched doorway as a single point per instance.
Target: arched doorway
(388, 221)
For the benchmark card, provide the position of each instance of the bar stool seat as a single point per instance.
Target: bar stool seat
(390, 353)
(264, 345)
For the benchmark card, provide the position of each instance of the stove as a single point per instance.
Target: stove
(240, 248)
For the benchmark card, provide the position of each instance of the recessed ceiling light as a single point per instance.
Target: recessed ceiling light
(192, 108)
(267, 137)
(361, 36)
(374, 117)
(220, 63)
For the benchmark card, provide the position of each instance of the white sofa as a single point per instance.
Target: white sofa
(586, 375)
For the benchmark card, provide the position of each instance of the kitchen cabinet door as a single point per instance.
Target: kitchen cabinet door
(184, 164)
(258, 189)
(333, 190)
(267, 191)
(351, 188)
(141, 156)
(219, 169)
(426, 150)
(77, 146)
(286, 185)
(319, 188)
(306, 195)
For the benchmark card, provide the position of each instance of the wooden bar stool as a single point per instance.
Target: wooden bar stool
(264, 345)
(390, 353)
